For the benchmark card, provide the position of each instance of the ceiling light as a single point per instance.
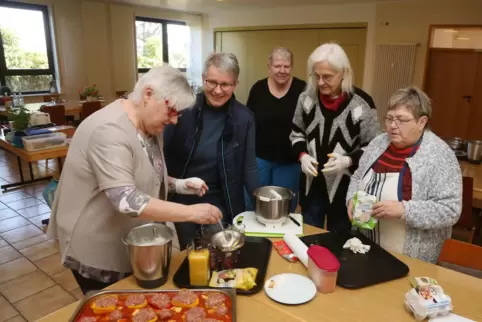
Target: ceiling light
(462, 38)
(452, 31)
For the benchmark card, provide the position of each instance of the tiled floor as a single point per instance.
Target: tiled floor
(33, 283)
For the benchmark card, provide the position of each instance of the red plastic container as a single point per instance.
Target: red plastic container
(323, 268)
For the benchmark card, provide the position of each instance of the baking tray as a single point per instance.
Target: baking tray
(94, 294)
(254, 253)
(360, 270)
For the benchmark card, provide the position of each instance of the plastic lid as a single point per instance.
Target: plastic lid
(323, 258)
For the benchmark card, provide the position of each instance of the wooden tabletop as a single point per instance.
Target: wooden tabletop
(474, 171)
(72, 108)
(383, 302)
(30, 156)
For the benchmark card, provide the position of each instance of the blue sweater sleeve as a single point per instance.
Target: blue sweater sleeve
(251, 175)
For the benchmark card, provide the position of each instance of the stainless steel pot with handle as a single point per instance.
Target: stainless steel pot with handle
(150, 249)
(474, 152)
(273, 203)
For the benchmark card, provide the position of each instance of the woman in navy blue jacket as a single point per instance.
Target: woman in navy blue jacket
(214, 141)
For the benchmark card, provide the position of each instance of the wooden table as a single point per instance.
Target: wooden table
(31, 156)
(474, 171)
(72, 108)
(383, 302)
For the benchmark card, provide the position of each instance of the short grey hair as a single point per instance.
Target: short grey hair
(413, 99)
(338, 60)
(167, 83)
(227, 62)
(282, 52)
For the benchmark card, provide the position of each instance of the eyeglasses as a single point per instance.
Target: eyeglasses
(210, 84)
(172, 111)
(327, 78)
(398, 122)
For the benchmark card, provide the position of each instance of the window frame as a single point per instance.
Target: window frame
(165, 42)
(5, 71)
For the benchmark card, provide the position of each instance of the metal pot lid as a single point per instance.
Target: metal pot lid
(269, 193)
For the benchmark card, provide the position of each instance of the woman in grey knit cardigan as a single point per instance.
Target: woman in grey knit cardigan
(416, 178)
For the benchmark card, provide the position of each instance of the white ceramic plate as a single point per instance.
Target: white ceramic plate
(290, 288)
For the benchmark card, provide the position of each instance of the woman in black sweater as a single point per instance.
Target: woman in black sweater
(273, 101)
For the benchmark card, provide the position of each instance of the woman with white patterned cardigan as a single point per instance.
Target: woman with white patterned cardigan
(333, 121)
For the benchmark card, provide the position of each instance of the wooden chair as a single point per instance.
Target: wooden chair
(464, 229)
(462, 257)
(49, 98)
(56, 112)
(121, 94)
(89, 108)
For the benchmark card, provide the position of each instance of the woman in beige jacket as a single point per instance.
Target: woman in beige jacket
(115, 176)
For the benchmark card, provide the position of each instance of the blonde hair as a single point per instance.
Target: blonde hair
(167, 83)
(282, 52)
(338, 60)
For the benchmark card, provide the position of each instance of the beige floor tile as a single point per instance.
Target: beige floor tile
(7, 254)
(24, 203)
(7, 311)
(51, 265)
(25, 286)
(66, 280)
(43, 303)
(7, 213)
(14, 196)
(16, 268)
(18, 234)
(37, 220)
(3, 243)
(34, 211)
(77, 293)
(12, 223)
(18, 318)
(41, 250)
(30, 241)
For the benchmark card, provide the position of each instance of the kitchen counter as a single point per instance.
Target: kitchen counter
(383, 302)
(474, 171)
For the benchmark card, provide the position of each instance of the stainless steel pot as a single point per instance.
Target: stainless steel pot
(474, 152)
(271, 209)
(456, 143)
(150, 249)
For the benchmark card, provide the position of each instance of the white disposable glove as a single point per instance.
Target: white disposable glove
(336, 163)
(309, 165)
(356, 246)
(191, 186)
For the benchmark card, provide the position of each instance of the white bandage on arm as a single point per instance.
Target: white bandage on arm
(128, 200)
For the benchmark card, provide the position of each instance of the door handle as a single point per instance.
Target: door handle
(468, 98)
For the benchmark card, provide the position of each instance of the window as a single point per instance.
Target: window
(26, 58)
(161, 41)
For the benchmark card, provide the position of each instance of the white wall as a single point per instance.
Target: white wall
(293, 16)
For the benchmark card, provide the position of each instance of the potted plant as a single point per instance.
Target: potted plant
(91, 93)
(20, 118)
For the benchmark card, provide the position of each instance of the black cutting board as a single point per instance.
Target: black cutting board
(254, 253)
(360, 270)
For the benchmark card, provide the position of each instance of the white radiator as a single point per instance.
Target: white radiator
(394, 65)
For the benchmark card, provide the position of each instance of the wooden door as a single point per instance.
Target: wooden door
(301, 43)
(236, 42)
(253, 47)
(450, 82)
(474, 130)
